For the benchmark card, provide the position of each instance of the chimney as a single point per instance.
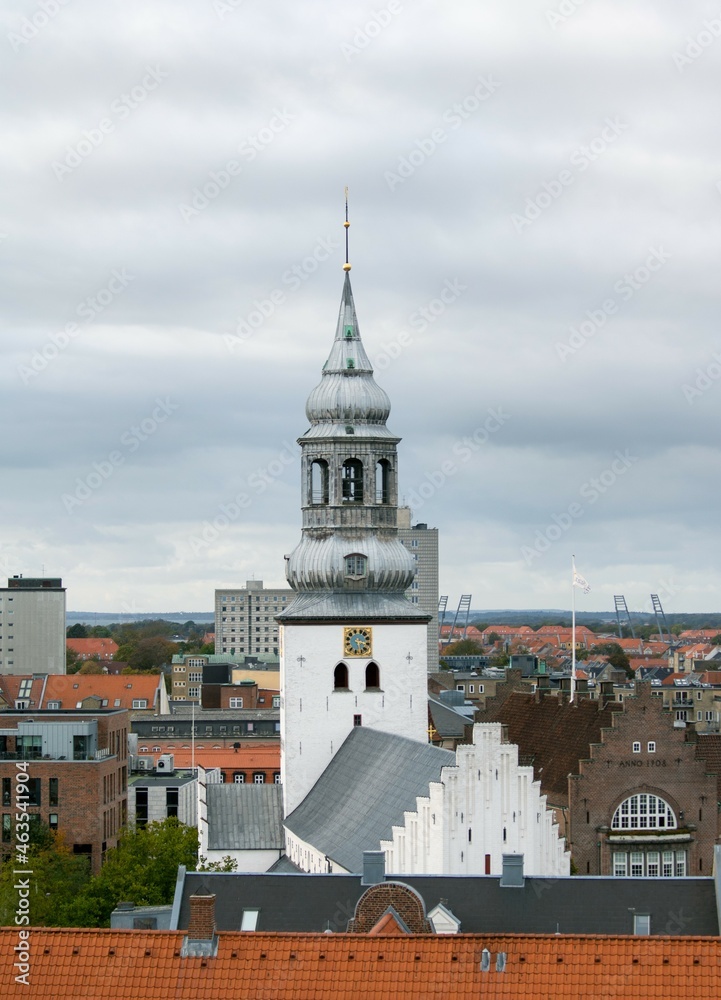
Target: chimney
(512, 871)
(374, 867)
(201, 940)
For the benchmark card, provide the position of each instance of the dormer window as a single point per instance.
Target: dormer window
(356, 566)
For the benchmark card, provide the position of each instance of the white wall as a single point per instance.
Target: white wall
(486, 804)
(316, 719)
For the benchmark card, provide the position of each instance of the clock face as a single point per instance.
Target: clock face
(357, 641)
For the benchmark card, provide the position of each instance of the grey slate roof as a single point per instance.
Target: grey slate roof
(245, 817)
(372, 780)
(446, 721)
(572, 905)
(355, 607)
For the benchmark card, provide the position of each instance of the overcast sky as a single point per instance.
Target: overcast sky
(535, 198)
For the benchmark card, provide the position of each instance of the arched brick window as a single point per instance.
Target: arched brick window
(644, 812)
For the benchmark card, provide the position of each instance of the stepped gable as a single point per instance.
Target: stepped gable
(553, 734)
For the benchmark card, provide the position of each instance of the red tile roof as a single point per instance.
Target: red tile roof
(69, 689)
(145, 965)
(104, 648)
(260, 758)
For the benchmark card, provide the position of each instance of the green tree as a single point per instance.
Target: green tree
(208, 648)
(144, 866)
(72, 661)
(716, 641)
(464, 647)
(59, 881)
(77, 631)
(91, 666)
(616, 655)
(492, 638)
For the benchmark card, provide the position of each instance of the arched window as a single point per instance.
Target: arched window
(319, 481)
(373, 676)
(340, 677)
(383, 481)
(644, 812)
(352, 481)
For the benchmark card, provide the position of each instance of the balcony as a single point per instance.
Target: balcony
(103, 754)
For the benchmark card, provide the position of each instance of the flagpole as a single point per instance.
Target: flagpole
(573, 627)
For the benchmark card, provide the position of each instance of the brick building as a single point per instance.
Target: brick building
(77, 763)
(643, 804)
(627, 781)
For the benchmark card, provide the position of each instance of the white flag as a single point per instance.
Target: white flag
(579, 581)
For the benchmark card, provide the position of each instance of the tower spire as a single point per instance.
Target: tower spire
(346, 224)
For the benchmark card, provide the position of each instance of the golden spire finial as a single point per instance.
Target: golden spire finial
(346, 224)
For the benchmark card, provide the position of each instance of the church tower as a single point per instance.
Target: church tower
(353, 648)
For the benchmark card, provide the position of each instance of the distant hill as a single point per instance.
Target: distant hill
(117, 617)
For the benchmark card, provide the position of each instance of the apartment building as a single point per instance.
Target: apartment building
(32, 626)
(245, 618)
(422, 542)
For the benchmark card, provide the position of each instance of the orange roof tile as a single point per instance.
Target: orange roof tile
(104, 648)
(266, 757)
(77, 964)
(69, 689)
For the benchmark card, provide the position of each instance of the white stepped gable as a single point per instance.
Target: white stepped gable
(485, 805)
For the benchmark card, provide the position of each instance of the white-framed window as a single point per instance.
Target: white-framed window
(195, 677)
(642, 923)
(471, 689)
(258, 779)
(652, 746)
(140, 702)
(156, 749)
(276, 778)
(53, 705)
(644, 812)
(276, 701)
(637, 747)
(699, 695)
(481, 688)
(699, 715)
(193, 692)
(236, 702)
(710, 716)
(238, 778)
(459, 687)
